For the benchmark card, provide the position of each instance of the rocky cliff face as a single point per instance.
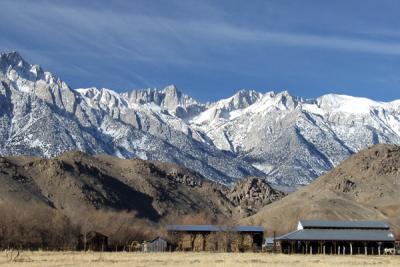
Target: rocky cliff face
(286, 139)
(170, 99)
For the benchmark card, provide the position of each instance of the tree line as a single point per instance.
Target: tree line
(36, 226)
(32, 225)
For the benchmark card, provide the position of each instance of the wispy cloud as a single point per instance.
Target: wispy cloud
(123, 41)
(305, 40)
(158, 38)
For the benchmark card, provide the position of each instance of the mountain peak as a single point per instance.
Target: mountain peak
(348, 104)
(285, 93)
(171, 88)
(247, 92)
(168, 98)
(286, 101)
(12, 59)
(244, 98)
(173, 96)
(159, 96)
(13, 55)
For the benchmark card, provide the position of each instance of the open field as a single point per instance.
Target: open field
(43, 259)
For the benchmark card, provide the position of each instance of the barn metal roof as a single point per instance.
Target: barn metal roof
(214, 228)
(339, 234)
(344, 224)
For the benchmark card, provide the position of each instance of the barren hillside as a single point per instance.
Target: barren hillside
(75, 182)
(365, 186)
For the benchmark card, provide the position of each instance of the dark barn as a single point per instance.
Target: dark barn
(216, 238)
(93, 241)
(338, 237)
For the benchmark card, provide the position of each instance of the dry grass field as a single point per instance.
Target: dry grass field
(44, 259)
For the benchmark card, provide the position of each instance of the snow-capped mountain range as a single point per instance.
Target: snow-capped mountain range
(286, 139)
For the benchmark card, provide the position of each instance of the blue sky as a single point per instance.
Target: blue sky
(210, 49)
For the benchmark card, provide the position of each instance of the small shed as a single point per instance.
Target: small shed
(156, 245)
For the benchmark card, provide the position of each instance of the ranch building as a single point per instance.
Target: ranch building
(338, 237)
(216, 237)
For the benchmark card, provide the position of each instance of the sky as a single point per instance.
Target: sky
(211, 49)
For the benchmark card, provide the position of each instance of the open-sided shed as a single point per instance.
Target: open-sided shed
(338, 237)
(216, 237)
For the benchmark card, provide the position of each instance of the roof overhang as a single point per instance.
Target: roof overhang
(214, 228)
(337, 224)
(338, 235)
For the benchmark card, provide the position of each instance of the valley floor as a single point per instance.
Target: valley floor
(44, 259)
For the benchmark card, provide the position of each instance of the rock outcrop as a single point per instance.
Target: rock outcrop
(251, 194)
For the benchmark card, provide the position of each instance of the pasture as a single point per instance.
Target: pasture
(177, 259)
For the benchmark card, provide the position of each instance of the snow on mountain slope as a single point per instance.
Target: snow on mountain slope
(294, 140)
(225, 109)
(287, 139)
(41, 115)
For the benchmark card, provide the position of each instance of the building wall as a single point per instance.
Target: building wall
(158, 245)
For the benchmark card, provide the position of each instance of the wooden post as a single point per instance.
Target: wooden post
(324, 249)
(334, 247)
(84, 241)
(351, 248)
(310, 250)
(274, 247)
(306, 247)
(338, 251)
(379, 248)
(365, 249)
(344, 250)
